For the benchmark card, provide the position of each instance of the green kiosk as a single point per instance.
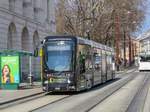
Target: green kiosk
(10, 68)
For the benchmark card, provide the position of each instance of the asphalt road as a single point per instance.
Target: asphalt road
(128, 93)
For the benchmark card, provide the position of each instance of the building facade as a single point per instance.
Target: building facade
(23, 23)
(131, 50)
(145, 45)
(145, 42)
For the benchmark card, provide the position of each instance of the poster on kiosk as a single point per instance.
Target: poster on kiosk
(10, 70)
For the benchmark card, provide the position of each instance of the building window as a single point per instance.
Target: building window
(25, 6)
(37, 8)
(11, 5)
(11, 36)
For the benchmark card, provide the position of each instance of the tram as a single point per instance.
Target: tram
(73, 64)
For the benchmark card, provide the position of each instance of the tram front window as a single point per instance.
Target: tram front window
(59, 56)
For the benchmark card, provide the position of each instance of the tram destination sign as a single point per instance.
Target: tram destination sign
(59, 48)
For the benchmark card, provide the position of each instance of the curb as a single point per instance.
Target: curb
(20, 98)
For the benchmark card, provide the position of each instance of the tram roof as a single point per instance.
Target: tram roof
(84, 41)
(94, 44)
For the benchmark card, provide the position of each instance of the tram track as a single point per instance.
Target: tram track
(28, 105)
(111, 93)
(94, 100)
(50, 103)
(137, 103)
(21, 100)
(126, 103)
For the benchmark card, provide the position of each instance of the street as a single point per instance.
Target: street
(75, 56)
(129, 92)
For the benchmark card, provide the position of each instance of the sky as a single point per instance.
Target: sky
(146, 24)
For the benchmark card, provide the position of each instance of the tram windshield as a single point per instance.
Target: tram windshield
(59, 56)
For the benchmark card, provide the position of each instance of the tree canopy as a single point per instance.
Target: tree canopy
(99, 18)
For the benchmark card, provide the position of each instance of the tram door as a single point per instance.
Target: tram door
(97, 64)
(104, 66)
(109, 65)
(85, 76)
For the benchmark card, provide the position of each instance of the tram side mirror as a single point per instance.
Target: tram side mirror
(43, 41)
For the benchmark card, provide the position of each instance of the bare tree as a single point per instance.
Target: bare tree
(96, 18)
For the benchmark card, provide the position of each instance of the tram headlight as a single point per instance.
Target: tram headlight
(68, 81)
(46, 82)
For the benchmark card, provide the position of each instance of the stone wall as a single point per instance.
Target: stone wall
(23, 23)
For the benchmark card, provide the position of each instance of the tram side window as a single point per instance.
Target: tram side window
(97, 61)
(82, 62)
(84, 58)
(109, 61)
(88, 61)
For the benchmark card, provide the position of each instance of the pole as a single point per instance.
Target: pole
(133, 51)
(129, 50)
(30, 70)
(117, 40)
(124, 48)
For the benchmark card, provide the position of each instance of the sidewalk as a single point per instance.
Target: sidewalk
(8, 96)
(127, 69)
